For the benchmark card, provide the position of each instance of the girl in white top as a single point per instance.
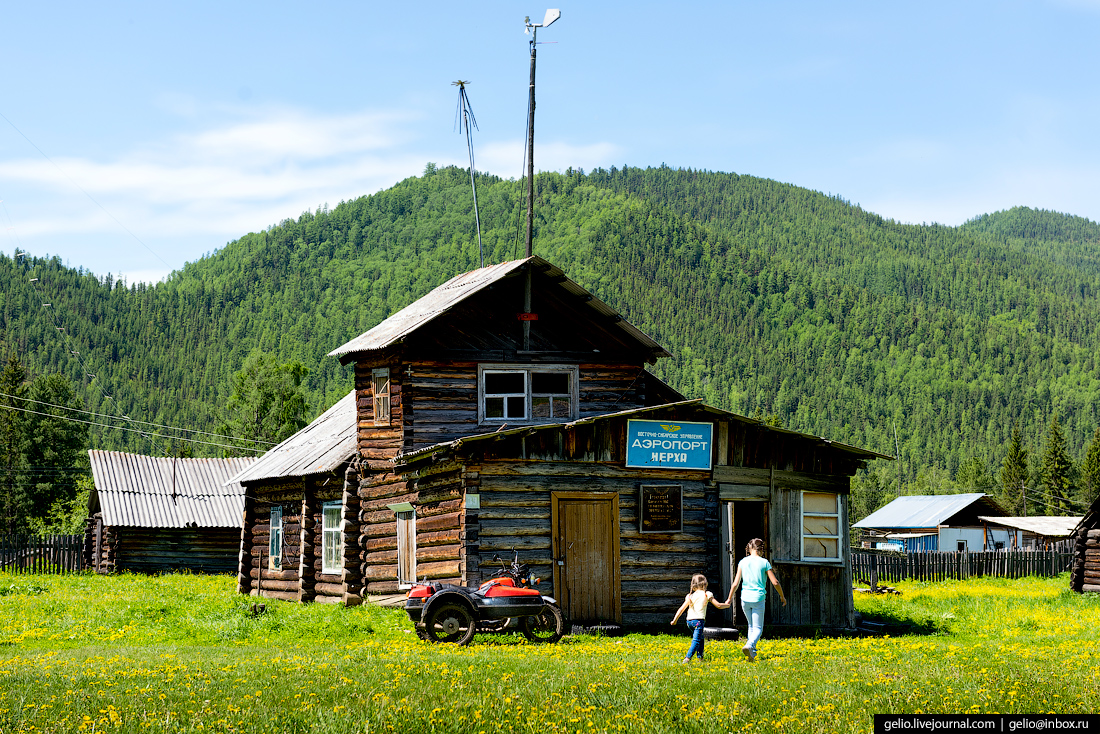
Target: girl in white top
(695, 604)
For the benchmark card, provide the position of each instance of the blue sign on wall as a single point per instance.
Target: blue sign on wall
(668, 444)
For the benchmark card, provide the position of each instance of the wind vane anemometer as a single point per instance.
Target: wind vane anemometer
(464, 120)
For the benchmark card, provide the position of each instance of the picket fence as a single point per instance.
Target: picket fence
(43, 554)
(882, 566)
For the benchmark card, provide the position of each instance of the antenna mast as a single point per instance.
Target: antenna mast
(532, 28)
(466, 118)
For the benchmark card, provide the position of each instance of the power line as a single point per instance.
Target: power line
(131, 420)
(90, 197)
(124, 428)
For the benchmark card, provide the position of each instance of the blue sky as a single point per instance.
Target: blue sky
(172, 128)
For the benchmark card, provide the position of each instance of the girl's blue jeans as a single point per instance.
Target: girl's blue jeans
(754, 615)
(696, 627)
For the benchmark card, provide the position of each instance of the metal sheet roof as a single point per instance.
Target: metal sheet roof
(410, 456)
(445, 297)
(164, 492)
(923, 511)
(1051, 527)
(322, 446)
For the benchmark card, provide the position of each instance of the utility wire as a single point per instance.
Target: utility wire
(90, 197)
(135, 422)
(125, 428)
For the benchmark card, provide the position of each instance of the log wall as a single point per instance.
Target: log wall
(655, 568)
(1085, 573)
(152, 550)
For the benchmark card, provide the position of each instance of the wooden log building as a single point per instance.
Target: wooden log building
(495, 413)
(1085, 570)
(152, 514)
(299, 540)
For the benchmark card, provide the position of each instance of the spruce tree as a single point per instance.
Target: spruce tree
(1014, 475)
(1090, 470)
(1057, 472)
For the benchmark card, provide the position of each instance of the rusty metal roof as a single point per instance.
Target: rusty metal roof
(165, 492)
(323, 446)
(412, 456)
(445, 297)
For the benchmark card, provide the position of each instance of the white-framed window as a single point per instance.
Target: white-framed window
(960, 546)
(380, 388)
(528, 394)
(332, 545)
(275, 539)
(406, 549)
(821, 529)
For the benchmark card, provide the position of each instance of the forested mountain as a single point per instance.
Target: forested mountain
(771, 297)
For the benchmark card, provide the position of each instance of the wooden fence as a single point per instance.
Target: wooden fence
(881, 566)
(41, 553)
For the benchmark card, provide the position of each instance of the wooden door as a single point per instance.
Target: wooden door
(586, 555)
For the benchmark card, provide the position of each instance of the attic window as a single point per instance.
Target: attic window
(527, 394)
(380, 388)
(820, 526)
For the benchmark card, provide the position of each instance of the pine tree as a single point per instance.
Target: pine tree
(1057, 472)
(1014, 475)
(1090, 470)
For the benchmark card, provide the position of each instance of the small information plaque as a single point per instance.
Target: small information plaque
(661, 508)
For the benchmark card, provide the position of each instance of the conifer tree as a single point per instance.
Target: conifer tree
(11, 443)
(1014, 475)
(1090, 470)
(1056, 472)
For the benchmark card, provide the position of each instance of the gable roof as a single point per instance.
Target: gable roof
(927, 511)
(323, 446)
(164, 492)
(461, 287)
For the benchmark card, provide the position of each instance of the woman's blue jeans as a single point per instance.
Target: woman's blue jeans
(696, 627)
(754, 615)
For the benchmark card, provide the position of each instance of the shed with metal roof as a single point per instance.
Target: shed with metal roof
(150, 514)
(940, 522)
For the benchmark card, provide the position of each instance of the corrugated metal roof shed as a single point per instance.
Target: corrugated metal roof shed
(924, 511)
(322, 446)
(411, 456)
(459, 288)
(1050, 527)
(165, 492)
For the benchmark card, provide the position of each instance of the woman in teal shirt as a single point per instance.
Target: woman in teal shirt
(754, 571)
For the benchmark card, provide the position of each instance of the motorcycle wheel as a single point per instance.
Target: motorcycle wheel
(450, 622)
(546, 626)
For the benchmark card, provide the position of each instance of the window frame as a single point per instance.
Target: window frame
(334, 535)
(804, 536)
(527, 370)
(406, 548)
(275, 539)
(380, 401)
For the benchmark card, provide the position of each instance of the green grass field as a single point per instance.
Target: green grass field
(181, 653)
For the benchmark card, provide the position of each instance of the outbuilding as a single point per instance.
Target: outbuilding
(152, 514)
(944, 522)
(1085, 571)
